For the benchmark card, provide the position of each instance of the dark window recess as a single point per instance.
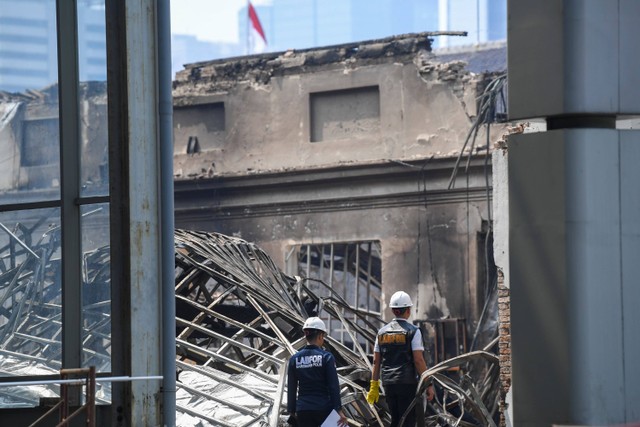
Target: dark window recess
(40, 143)
(487, 271)
(443, 339)
(199, 127)
(343, 114)
(193, 146)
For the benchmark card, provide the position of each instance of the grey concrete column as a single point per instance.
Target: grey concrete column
(145, 290)
(574, 212)
(574, 242)
(571, 57)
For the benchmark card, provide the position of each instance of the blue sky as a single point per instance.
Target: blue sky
(209, 20)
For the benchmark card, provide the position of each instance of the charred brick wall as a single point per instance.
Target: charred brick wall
(504, 342)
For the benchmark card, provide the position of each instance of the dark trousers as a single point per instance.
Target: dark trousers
(398, 397)
(311, 418)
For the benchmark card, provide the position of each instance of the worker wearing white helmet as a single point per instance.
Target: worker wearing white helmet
(399, 361)
(313, 390)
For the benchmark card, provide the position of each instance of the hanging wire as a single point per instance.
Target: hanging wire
(486, 115)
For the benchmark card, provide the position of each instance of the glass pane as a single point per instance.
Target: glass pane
(30, 300)
(96, 294)
(92, 63)
(29, 136)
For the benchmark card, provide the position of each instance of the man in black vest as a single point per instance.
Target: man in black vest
(398, 359)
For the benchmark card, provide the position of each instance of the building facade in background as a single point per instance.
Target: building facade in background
(338, 162)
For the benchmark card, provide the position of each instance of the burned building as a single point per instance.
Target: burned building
(362, 165)
(29, 135)
(360, 169)
(415, 221)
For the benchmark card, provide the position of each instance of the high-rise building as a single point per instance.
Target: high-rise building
(28, 45)
(298, 24)
(484, 20)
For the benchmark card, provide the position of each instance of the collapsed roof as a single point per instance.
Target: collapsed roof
(238, 319)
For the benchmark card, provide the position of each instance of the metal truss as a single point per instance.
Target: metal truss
(238, 320)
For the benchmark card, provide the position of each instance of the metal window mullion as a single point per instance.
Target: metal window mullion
(356, 303)
(68, 89)
(345, 283)
(369, 261)
(357, 276)
(308, 261)
(330, 279)
(320, 251)
(370, 247)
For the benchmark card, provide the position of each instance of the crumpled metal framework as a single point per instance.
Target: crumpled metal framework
(31, 310)
(245, 321)
(238, 319)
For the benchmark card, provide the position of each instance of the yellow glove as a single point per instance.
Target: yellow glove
(374, 392)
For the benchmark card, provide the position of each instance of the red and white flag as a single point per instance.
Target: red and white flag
(257, 39)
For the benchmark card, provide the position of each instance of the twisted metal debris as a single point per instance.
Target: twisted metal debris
(31, 308)
(238, 319)
(245, 318)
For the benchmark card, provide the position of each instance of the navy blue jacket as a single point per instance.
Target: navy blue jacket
(312, 381)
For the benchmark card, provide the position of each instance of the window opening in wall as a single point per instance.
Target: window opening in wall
(202, 123)
(344, 114)
(39, 154)
(352, 270)
(40, 142)
(447, 338)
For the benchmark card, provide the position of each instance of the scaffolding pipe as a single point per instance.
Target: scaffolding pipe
(79, 381)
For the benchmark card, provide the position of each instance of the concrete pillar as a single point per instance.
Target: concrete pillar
(135, 211)
(574, 212)
(144, 200)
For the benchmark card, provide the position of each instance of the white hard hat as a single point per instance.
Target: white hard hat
(314, 323)
(400, 299)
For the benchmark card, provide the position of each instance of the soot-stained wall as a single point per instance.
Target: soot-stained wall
(348, 143)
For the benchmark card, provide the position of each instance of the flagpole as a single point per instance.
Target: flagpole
(254, 29)
(248, 32)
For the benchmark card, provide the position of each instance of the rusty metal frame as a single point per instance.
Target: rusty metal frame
(86, 377)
